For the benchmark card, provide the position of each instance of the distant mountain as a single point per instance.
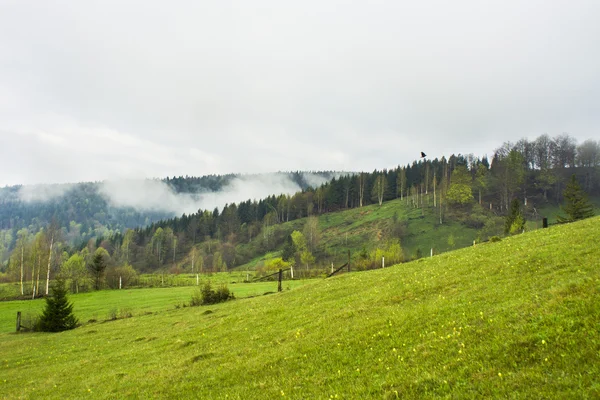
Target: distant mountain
(93, 209)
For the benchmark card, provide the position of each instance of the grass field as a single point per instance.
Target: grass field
(108, 304)
(516, 319)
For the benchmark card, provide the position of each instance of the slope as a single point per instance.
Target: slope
(517, 318)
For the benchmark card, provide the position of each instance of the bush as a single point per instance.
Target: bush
(126, 273)
(58, 314)
(207, 295)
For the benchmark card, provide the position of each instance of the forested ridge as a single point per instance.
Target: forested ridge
(465, 188)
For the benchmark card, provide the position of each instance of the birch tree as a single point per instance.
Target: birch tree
(52, 235)
(379, 188)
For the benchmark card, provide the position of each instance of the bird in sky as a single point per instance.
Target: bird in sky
(423, 155)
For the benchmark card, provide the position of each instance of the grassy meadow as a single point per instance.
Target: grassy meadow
(518, 318)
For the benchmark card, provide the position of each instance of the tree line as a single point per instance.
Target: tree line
(534, 172)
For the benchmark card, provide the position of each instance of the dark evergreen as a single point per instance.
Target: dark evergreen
(58, 315)
(577, 206)
(97, 268)
(515, 222)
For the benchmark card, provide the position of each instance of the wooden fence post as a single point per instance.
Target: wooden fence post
(18, 321)
(348, 260)
(280, 278)
(545, 222)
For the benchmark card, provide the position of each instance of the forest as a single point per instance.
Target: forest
(66, 236)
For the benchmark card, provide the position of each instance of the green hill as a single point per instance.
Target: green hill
(518, 318)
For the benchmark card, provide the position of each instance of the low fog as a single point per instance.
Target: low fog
(157, 195)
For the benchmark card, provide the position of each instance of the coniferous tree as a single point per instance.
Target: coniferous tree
(515, 222)
(577, 204)
(98, 266)
(58, 315)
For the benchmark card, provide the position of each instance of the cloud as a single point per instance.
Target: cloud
(156, 195)
(42, 193)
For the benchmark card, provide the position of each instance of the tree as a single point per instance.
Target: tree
(74, 269)
(276, 264)
(58, 315)
(577, 204)
(53, 233)
(311, 233)
(460, 192)
(98, 266)
(307, 258)
(515, 222)
(379, 188)
(127, 239)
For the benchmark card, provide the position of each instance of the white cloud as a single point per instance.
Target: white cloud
(42, 193)
(156, 195)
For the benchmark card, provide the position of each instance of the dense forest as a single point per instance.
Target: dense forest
(535, 172)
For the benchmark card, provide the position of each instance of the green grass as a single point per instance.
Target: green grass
(517, 319)
(103, 305)
(368, 227)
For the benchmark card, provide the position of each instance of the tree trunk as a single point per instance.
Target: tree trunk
(22, 250)
(49, 261)
(37, 283)
(33, 278)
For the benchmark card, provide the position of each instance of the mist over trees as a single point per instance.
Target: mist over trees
(526, 173)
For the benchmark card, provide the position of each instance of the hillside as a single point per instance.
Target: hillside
(516, 318)
(363, 229)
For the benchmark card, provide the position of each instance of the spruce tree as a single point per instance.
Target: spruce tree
(577, 204)
(58, 314)
(515, 222)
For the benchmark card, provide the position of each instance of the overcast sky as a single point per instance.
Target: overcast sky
(93, 90)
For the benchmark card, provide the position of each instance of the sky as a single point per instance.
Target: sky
(105, 90)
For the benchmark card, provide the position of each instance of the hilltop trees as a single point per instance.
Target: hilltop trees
(577, 204)
(532, 171)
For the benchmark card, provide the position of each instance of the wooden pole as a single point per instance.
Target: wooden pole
(348, 260)
(18, 321)
(279, 289)
(545, 222)
(382, 262)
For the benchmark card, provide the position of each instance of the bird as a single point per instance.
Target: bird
(423, 155)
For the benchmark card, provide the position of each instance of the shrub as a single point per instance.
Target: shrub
(196, 298)
(207, 295)
(494, 239)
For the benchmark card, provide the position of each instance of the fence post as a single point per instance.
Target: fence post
(382, 262)
(280, 277)
(348, 260)
(120, 282)
(431, 252)
(292, 271)
(544, 222)
(18, 321)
